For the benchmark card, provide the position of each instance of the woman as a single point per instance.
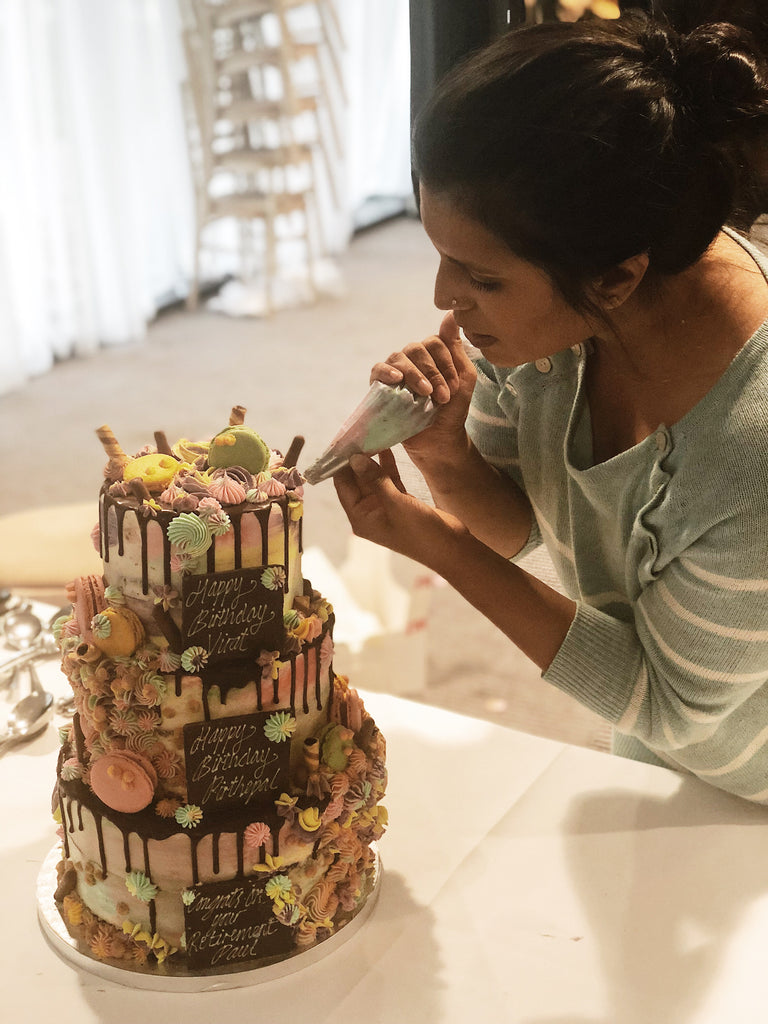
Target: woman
(575, 180)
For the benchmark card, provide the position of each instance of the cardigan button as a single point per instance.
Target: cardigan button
(543, 365)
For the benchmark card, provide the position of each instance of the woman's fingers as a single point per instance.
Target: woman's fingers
(390, 467)
(426, 368)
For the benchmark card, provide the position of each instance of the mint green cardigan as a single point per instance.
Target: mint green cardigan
(665, 550)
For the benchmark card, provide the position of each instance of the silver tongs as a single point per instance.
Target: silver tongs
(386, 416)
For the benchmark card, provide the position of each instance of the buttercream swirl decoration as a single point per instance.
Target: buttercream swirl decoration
(256, 835)
(188, 897)
(291, 619)
(279, 726)
(278, 889)
(168, 661)
(227, 490)
(101, 626)
(270, 485)
(193, 659)
(189, 533)
(219, 523)
(310, 819)
(138, 885)
(189, 816)
(273, 577)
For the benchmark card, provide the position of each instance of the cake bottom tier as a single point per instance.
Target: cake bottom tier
(175, 974)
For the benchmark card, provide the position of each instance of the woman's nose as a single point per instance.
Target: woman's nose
(449, 292)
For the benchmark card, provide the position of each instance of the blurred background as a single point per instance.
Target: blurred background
(209, 203)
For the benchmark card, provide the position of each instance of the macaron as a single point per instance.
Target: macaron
(87, 596)
(124, 781)
(155, 471)
(238, 445)
(118, 632)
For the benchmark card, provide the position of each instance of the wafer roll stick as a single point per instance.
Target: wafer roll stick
(237, 416)
(312, 754)
(292, 456)
(111, 446)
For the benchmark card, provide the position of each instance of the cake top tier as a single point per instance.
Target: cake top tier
(235, 467)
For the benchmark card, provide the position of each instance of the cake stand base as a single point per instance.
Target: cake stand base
(170, 977)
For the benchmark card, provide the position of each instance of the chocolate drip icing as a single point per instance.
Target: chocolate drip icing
(130, 503)
(318, 677)
(99, 821)
(286, 538)
(305, 689)
(63, 812)
(263, 516)
(215, 838)
(241, 854)
(127, 852)
(193, 844)
(82, 753)
(236, 518)
(166, 559)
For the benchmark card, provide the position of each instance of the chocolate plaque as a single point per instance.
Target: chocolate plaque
(235, 613)
(233, 761)
(232, 922)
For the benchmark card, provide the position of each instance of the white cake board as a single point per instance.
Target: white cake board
(170, 977)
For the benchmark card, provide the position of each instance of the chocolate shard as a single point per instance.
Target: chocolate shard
(138, 488)
(168, 628)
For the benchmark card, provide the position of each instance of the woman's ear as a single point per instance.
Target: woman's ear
(614, 287)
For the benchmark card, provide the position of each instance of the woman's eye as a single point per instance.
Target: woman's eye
(484, 286)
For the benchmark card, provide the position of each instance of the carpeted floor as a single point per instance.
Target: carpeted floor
(300, 372)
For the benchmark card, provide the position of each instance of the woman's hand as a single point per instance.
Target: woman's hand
(380, 510)
(439, 367)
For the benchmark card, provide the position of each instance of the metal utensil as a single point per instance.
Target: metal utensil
(21, 628)
(45, 647)
(30, 715)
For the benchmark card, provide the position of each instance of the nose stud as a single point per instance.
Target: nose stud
(454, 303)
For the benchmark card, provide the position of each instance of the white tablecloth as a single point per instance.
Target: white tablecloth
(524, 881)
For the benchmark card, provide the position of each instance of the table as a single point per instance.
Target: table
(525, 881)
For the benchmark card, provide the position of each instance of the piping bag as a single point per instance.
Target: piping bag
(386, 416)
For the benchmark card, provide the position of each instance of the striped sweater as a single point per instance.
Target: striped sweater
(665, 550)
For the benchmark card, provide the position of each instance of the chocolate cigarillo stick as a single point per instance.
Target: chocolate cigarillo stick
(161, 441)
(292, 456)
(111, 446)
(237, 416)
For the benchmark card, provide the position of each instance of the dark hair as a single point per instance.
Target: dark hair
(582, 144)
(686, 15)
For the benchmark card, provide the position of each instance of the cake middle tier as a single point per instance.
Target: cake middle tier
(146, 554)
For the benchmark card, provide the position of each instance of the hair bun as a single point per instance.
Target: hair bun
(721, 78)
(660, 45)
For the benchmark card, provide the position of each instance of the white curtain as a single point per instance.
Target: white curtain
(96, 207)
(96, 217)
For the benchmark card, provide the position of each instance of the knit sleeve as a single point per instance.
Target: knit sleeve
(685, 677)
(494, 433)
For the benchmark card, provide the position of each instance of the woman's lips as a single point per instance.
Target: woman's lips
(479, 340)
